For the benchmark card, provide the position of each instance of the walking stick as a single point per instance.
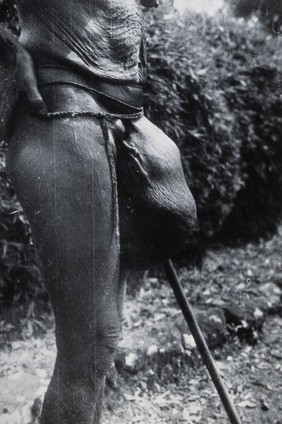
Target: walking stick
(200, 342)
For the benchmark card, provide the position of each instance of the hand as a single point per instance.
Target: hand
(26, 72)
(28, 81)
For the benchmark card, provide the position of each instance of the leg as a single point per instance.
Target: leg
(64, 184)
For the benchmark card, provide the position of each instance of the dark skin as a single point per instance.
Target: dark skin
(61, 171)
(27, 74)
(27, 77)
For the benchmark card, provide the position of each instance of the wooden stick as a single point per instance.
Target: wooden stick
(200, 342)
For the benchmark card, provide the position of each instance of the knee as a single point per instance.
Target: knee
(103, 350)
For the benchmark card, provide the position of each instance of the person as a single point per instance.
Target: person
(80, 132)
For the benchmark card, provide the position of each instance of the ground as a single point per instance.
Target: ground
(158, 375)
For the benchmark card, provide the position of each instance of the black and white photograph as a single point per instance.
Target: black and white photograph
(140, 212)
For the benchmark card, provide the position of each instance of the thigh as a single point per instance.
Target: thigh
(61, 173)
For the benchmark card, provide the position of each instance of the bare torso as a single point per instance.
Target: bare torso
(101, 37)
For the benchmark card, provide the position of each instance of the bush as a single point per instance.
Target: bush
(213, 87)
(185, 101)
(258, 206)
(19, 274)
(269, 12)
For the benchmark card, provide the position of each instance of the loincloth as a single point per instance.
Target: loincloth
(120, 99)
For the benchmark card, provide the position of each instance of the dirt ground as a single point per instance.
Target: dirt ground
(158, 375)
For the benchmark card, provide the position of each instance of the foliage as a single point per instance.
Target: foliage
(19, 274)
(268, 11)
(258, 206)
(213, 88)
(184, 101)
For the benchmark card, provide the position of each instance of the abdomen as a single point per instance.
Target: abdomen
(102, 38)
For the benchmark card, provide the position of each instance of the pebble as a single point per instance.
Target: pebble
(188, 341)
(152, 350)
(264, 406)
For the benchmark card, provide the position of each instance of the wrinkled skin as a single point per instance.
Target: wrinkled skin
(161, 213)
(61, 172)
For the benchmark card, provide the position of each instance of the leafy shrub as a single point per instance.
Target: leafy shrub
(185, 102)
(257, 106)
(213, 88)
(269, 12)
(19, 274)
